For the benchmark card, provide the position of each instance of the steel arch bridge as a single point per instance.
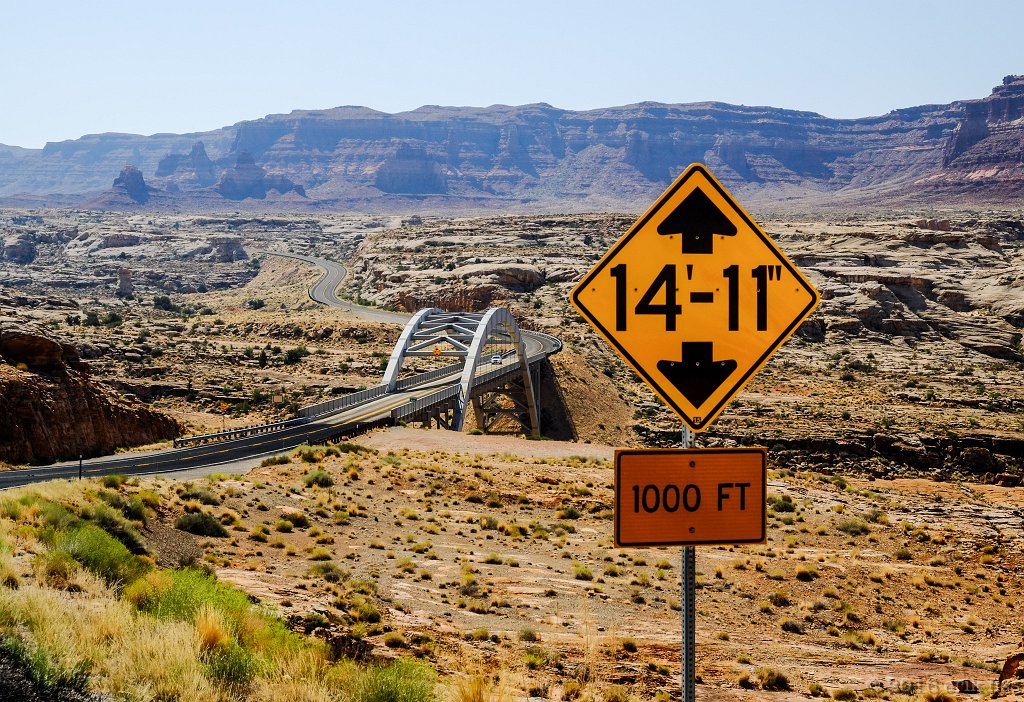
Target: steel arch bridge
(492, 356)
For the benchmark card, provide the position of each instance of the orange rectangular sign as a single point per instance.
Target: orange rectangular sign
(690, 497)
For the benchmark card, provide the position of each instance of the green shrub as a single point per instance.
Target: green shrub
(102, 554)
(781, 503)
(319, 478)
(232, 666)
(401, 681)
(113, 481)
(329, 572)
(149, 499)
(275, 461)
(53, 516)
(581, 572)
(295, 355)
(115, 524)
(348, 447)
(55, 568)
(201, 524)
(179, 594)
(853, 527)
(298, 519)
(201, 495)
(806, 573)
(792, 626)
(365, 612)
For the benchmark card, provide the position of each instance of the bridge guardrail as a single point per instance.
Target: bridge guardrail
(413, 380)
(412, 408)
(338, 403)
(238, 433)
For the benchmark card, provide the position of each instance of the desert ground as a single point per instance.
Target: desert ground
(894, 422)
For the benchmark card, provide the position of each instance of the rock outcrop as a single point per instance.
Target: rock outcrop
(248, 180)
(132, 184)
(52, 411)
(985, 152)
(194, 169)
(18, 248)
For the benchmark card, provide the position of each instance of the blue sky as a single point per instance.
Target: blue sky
(73, 68)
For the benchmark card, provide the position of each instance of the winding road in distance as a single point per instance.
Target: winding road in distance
(325, 290)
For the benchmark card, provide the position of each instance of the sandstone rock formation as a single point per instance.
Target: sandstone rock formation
(52, 411)
(132, 184)
(985, 152)
(194, 169)
(18, 248)
(31, 346)
(248, 180)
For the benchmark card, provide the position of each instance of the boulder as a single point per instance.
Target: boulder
(19, 248)
(23, 342)
(227, 249)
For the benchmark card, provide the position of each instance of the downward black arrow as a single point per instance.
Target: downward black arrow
(696, 375)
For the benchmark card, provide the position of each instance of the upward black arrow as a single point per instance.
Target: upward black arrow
(698, 220)
(696, 374)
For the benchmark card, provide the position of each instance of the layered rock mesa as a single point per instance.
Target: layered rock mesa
(617, 157)
(52, 411)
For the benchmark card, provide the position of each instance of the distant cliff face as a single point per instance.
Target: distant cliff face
(986, 150)
(620, 157)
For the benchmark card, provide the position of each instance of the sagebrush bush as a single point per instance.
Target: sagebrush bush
(772, 679)
(201, 524)
(320, 478)
(113, 481)
(201, 495)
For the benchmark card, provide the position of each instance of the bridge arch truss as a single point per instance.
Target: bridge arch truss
(492, 355)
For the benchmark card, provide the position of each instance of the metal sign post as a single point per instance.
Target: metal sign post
(688, 569)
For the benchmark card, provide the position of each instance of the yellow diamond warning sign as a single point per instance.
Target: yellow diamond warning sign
(695, 297)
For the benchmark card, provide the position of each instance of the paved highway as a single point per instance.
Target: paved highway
(325, 290)
(256, 446)
(230, 453)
